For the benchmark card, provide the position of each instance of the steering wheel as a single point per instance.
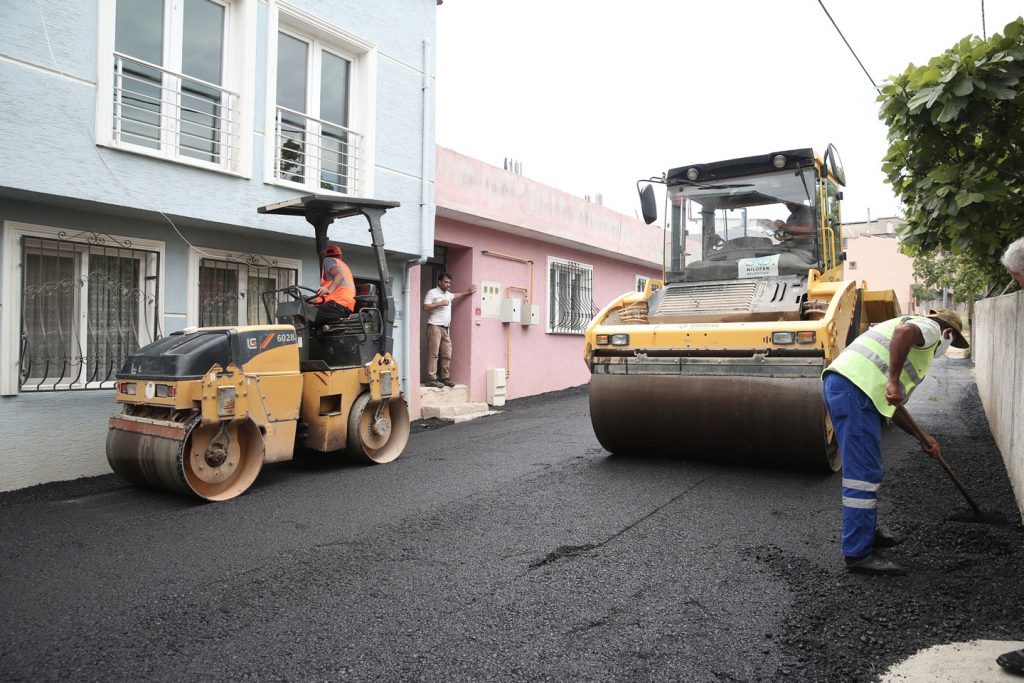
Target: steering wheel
(297, 291)
(717, 242)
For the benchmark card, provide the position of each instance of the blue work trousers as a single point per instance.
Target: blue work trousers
(858, 428)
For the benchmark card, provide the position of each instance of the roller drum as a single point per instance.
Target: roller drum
(213, 462)
(732, 419)
(149, 459)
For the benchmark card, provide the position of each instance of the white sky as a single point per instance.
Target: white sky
(592, 95)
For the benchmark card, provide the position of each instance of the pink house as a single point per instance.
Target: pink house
(543, 262)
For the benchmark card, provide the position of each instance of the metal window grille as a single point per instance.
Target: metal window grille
(317, 154)
(174, 113)
(87, 301)
(571, 297)
(231, 290)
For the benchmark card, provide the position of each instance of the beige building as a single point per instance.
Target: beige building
(872, 255)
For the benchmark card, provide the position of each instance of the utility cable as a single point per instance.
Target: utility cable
(873, 85)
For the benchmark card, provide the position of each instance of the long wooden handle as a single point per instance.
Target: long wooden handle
(922, 437)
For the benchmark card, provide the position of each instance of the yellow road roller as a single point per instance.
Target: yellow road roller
(721, 359)
(203, 410)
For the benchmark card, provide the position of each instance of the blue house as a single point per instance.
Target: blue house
(140, 136)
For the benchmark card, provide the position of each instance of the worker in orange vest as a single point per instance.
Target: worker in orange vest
(337, 289)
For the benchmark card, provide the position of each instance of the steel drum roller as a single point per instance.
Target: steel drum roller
(213, 462)
(738, 419)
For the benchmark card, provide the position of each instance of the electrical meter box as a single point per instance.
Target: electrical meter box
(511, 310)
(530, 315)
(496, 387)
(490, 298)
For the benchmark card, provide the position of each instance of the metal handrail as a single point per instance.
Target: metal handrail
(166, 125)
(307, 135)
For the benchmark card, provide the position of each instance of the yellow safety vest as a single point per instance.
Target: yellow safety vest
(865, 362)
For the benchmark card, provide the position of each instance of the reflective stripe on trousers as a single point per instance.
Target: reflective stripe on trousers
(858, 428)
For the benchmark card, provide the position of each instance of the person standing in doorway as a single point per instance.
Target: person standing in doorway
(438, 303)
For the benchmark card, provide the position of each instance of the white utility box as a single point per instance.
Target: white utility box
(490, 298)
(530, 315)
(511, 310)
(496, 387)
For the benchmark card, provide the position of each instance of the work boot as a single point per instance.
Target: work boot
(1012, 662)
(447, 382)
(433, 383)
(873, 563)
(884, 539)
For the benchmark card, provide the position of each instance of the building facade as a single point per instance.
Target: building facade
(543, 261)
(873, 256)
(141, 137)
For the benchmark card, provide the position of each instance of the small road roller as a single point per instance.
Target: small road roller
(202, 410)
(721, 359)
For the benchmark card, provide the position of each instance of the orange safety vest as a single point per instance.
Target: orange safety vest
(345, 294)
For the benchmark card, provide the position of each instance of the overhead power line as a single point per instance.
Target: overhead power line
(849, 46)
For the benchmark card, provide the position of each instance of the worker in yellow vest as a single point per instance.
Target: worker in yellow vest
(862, 387)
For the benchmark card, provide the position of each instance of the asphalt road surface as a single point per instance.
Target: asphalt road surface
(511, 548)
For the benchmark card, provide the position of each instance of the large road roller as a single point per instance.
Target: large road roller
(202, 410)
(721, 359)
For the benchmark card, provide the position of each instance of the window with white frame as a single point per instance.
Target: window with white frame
(229, 287)
(641, 282)
(78, 306)
(170, 83)
(570, 296)
(323, 107)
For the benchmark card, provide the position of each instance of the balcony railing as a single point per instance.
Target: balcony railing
(317, 154)
(177, 115)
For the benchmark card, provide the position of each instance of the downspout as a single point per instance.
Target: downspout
(426, 216)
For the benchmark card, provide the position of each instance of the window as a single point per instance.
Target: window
(230, 287)
(641, 282)
(166, 80)
(570, 296)
(79, 305)
(323, 94)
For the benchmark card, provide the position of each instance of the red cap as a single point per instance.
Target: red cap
(332, 250)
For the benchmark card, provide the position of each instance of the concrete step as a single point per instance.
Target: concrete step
(452, 411)
(446, 396)
(473, 416)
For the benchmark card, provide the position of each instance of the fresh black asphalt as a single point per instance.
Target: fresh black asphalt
(511, 548)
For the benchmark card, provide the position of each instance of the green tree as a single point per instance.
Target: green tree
(957, 272)
(956, 149)
(923, 293)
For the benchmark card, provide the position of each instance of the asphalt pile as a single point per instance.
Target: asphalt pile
(965, 582)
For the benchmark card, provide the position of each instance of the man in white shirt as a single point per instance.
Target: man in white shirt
(438, 303)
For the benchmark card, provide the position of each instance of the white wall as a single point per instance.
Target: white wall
(998, 351)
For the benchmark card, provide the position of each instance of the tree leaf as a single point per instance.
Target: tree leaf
(951, 109)
(964, 87)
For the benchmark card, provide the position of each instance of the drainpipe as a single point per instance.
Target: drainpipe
(426, 216)
(426, 219)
